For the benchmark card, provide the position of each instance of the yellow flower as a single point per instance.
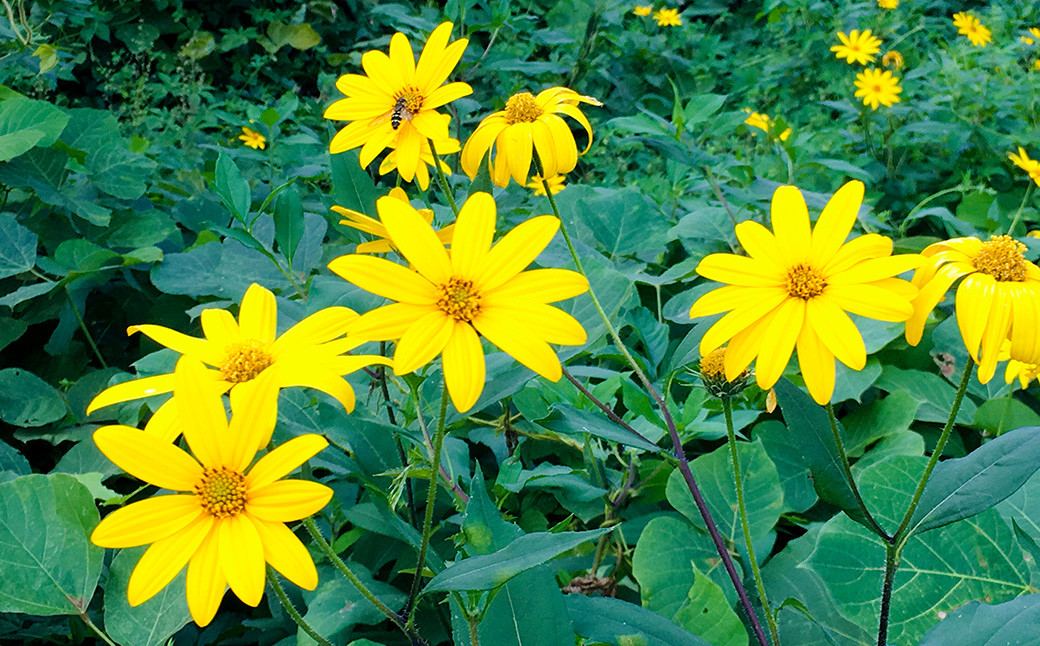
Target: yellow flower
(474, 289)
(892, 59)
(555, 184)
(422, 174)
(1028, 41)
(642, 10)
(230, 519)
(1035, 31)
(962, 20)
(528, 122)
(253, 139)
(1015, 369)
(383, 244)
(857, 47)
(1030, 166)
(1036, 65)
(877, 88)
(765, 124)
(978, 34)
(888, 4)
(712, 371)
(668, 18)
(395, 103)
(796, 287)
(998, 298)
(310, 353)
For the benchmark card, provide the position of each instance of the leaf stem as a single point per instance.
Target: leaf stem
(727, 408)
(100, 633)
(847, 469)
(891, 565)
(474, 623)
(442, 179)
(293, 612)
(1021, 206)
(603, 407)
(83, 326)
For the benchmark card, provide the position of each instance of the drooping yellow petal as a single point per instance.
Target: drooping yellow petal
(385, 278)
(836, 221)
(287, 500)
(281, 461)
(206, 581)
(201, 411)
(778, 342)
(474, 231)
(133, 389)
(512, 339)
(479, 143)
(287, 554)
(790, 218)
(464, 369)
(816, 364)
(148, 458)
(242, 557)
(996, 333)
(320, 377)
(930, 295)
(975, 303)
(164, 559)
(146, 521)
(422, 342)
(837, 332)
(515, 251)
(1025, 331)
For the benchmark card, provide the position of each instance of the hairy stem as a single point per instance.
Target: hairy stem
(295, 614)
(847, 469)
(443, 180)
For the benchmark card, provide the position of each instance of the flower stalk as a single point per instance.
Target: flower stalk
(292, 611)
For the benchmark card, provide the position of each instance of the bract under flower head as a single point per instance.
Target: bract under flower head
(475, 288)
(230, 519)
(529, 125)
(395, 103)
(998, 297)
(796, 287)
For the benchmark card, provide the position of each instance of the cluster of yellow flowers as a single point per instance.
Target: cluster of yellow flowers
(875, 87)
(664, 17)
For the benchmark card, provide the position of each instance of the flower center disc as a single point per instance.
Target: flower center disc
(1002, 258)
(413, 100)
(522, 108)
(222, 491)
(803, 282)
(713, 364)
(245, 361)
(459, 300)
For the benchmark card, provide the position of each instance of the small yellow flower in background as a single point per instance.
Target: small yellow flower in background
(555, 184)
(962, 20)
(642, 10)
(888, 4)
(668, 18)
(310, 353)
(1030, 166)
(528, 122)
(968, 25)
(998, 298)
(765, 124)
(877, 88)
(451, 297)
(1036, 65)
(892, 59)
(1035, 31)
(253, 139)
(383, 244)
(422, 173)
(796, 287)
(394, 104)
(230, 519)
(857, 47)
(1027, 40)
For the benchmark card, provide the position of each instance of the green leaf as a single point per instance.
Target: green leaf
(337, 606)
(232, 187)
(119, 172)
(1015, 622)
(998, 415)
(619, 222)
(714, 475)
(15, 143)
(808, 421)
(482, 181)
(351, 184)
(288, 221)
(138, 36)
(50, 566)
(962, 487)
(938, 572)
(21, 114)
(706, 613)
(568, 420)
(792, 467)
(152, 622)
(297, 36)
(12, 463)
(489, 571)
(27, 400)
(17, 247)
(81, 255)
(617, 622)
(23, 294)
(935, 393)
(48, 57)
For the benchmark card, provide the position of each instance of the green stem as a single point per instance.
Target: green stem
(345, 569)
(848, 475)
(83, 326)
(431, 499)
(891, 565)
(100, 633)
(474, 622)
(1018, 213)
(442, 179)
(727, 408)
(1004, 413)
(296, 617)
(900, 536)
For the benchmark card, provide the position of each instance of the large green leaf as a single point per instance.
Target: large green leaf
(12, 463)
(616, 221)
(489, 571)
(940, 571)
(13, 144)
(232, 187)
(792, 466)
(152, 622)
(1012, 623)
(352, 186)
(17, 247)
(337, 606)
(962, 487)
(48, 564)
(21, 114)
(707, 614)
(617, 622)
(119, 172)
(935, 394)
(27, 400)
(714, 475)
(568, 420)
(288, 221)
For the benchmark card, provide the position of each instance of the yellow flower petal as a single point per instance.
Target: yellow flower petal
(930, 295)
(201, 349)
(148, 458)
(739, 270)
(463, 363)
(790, 218)
(731, 297)
(744, 347)
(759, 243)
(740, 318)
(513, 339)
(206, 581)
(778, 342)
(324, 325)
(835, 222)
(287, 500)
(284, 460)
(547, 323)
(389, 322)
(975, 305)
(542, 285)
(287, 554)
(258, 315)
(146, 521)
(133, 389)
(309, 375)
(474, 231)
(479, 143)
(385, 278)
(164, 423)
(416, 239)
(255, 411)
(201, 411)
(833, 327)
(221, 330)
(422, 342)
(816, 363)
(1025, 333)
(164, 559)
(870, 301)
(242, 557)
(515, 251)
